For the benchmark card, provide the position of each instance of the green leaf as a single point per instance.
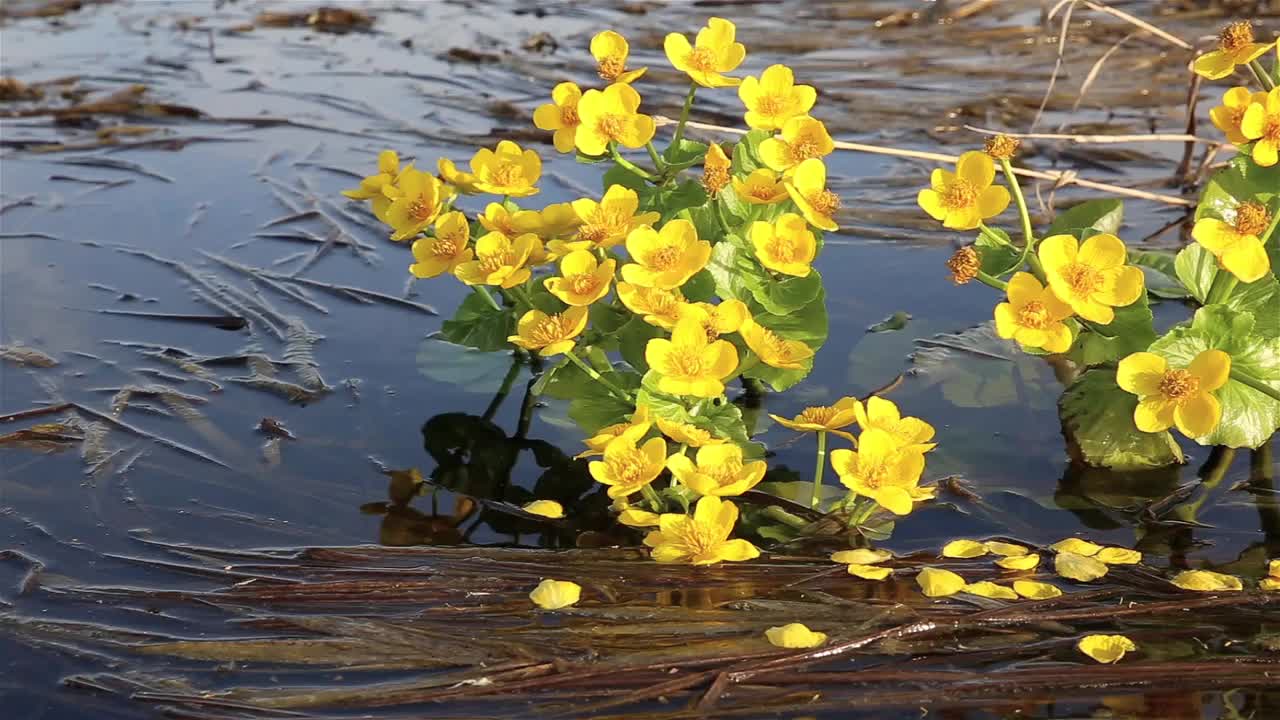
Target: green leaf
(1261, 298)
(632, 340)
(592, 406)
(1240, 181)
(1104, 216)
(705, 222)
(607, 318)
(1097, 419)
(618, 175)
(996, 258)
(978, 369)
(1196, 268)
(700, 288)
(744, 160)
(724, 419)
(1249, 417)
(479, 325)
(808, 325)
(687, 154)
(468, 368)
(728, 265)
(739, 276)
(896, 321)
(688, 194)
(1160, 274)
(1131, 331)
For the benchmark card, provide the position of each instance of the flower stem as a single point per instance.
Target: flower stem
(522, 295)
(651, 495)
(773, 512)
(591, 372)
(1261, 75)
(994, 282)
(684, 115)
(1223, 284)
(1246, 379)
(658, 165)
(1028, 236)
(479, 290)
(630, 166)
(1271, 229)
(819, 467)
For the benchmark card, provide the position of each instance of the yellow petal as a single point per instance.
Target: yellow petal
(988, 589)
(545, 508)
(556, 594)
(1247, 260)
(1078, 567)
(964, 549)
(1106, 648)
(1212, 367)
(1140, 373)
(869, 572)
(861, 556)
(1119, 556)
(1033, 590)
(1102, 252)
(1197, 415)
(977, 168)
(936, 582)
(1006, 549)
(1207, 581)
(1019, 562)
(1077, 546)
(794, 636)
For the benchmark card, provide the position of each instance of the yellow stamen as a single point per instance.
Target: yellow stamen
(1082, 279)
(959, 195)
(611, 67)
(702, 59)
(1179, 384)
(610, 125)
(1002, 147)
(568, 115)
(583, 283)
(1252, 219)
(553, 329)
(820, 415)
(825, 202)
(1033, 315)
(664, 259)
(964, 265)
(1236, 36)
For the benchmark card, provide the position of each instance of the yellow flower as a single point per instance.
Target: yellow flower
(1271, 583)
(545, 508)
(610, 51)
(717, 320)
(823, 418)
(415, 202)
(773, 350)
(1236, 46)
(909, 432)
(774, 98)
(636, 428)
(882, 470)
(966, 197)
(1207, 581)
(444, 252)
(1261, 124)
(760, 188)
(606, 223)
(1227, 116)
(715, 169)
(463, 182)
(556, 594)
(507, 170)
(700, 539)
(372, 185)
(936, 582)
(794, 636)
(550, 334)
(500, 260)
(807, 187)
(626, 467)
(687, 434)
(582, 280)
(560, 115)
(1033, 316)
(1169, 396)
(688, 363)
(609, 116)
(496, 218)
(1091, 277)
(553, 221)
(635, 517)
(660, 308)
(1106, 648)
(713, 52)
(803, 138)
(787, 246)
(667, 258)
(719, 471)
(1238, 246)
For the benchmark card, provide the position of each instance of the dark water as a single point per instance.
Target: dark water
(349, 95)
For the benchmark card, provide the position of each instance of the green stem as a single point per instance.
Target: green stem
(503, 391)
(522, 295)
(1028, 236)
(630, 166)
(684, 115)
(994, 282)
(773, 512)
(479, 290)
(1030, 257)
(658, 165)
(651, 495)
(591, 372)
(868, 507)
(1223, 284)
(818, 469)
(1261, 75)
(721, 220)
(1253, 382)
(1271, 229)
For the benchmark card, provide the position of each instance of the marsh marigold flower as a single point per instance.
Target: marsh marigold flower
(553, 221)
(658, 307)
(497, 218)
(688, 363)
(713, 53)
(882, 470)
(499, 260)
(626, 468)
(964, 265)
(416, 199)
(1237, 245)
(1261, 125)
(556, 594)
(610, 51)
(1033, 316)
(1236, 46)
(717, 320)
(606, 223)
(761, 187)
(686, 434)
(506, 170)
(824, 418)
(665, 258)
(773, 349)
(1091, 277)
(583, 280)
(909, 432)
(963, 199)
(1175, 396)
(1228, 116)
(549, 334)
(719, 471)
(802, 138)
(459, 181)
(635, 428)
(715, 169)
(807, 187)
(611, 115)
(560, 115)
(785, 246)
(371, 186)
(1001, 147)
(701, 538)
(444, 252)
(774, 98)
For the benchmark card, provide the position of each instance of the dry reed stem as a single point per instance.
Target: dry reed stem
(1100, 139)
(1137, 22)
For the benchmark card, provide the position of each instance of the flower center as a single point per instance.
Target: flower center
(803, 149)
(664, 259)
(507, 175)
(775, 346)
(422, 209)
(761, 192)
(610, 125)
(714, 178)
(593, 233)
(1272, 130)
(444, 248)
(820, 415)
(553, 329)
(875, 476)
(628, 467)
(702, 59)
(1252, 218)
(782, 250)
(1082, 279)
(825, 202)
(771, 105)
(1178, 384)
(1033, 315)
(1236, 36)
(583, 283)
(964, 265)
(611, 67)
(727, 472)
(568, 116)
(959, 195)
(492, 262)
(686, 362)
(697, 538)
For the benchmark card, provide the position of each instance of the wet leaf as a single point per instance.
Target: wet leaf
(556, 594)
(479, 325)
(988, 589)
(1005, 549)
(869, 572)
(1106, 648)
(1119, 556)
(1033, 590)
(936, 582)
(896, 321)
(861, 556)
(1104, 216)
(1079, 567)
(964, 549)
(1207, 581)
(1097, 418)
(464, 367)
(794, 636)
(1077, 546)
(977, 369)
(1019, 562)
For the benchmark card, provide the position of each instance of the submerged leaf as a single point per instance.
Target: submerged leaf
(1078, 567)
(1207, 581)
(1106, 648)
(936, 582)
